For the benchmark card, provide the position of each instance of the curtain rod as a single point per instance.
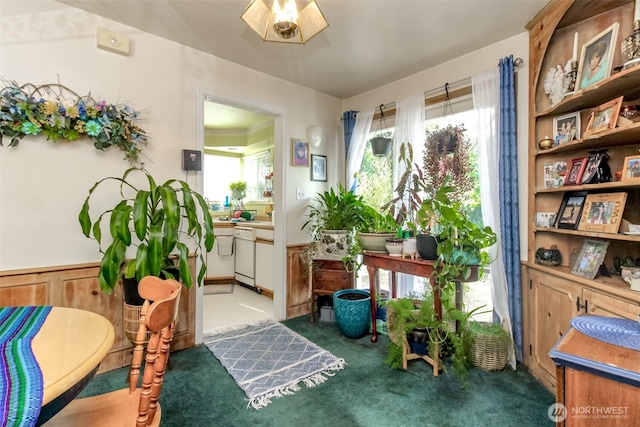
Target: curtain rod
(454, 90)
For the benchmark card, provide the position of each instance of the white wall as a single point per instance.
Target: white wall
(43, 185)
(463, 68)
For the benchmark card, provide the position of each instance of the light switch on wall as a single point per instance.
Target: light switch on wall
(300, 194)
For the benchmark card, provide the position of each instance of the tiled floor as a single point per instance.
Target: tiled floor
(228, 306)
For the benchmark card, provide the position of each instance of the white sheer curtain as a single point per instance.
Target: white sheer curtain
(486, 102)
(409, 127)
(357, 145)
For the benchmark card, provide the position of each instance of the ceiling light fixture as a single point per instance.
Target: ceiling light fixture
(284, 24)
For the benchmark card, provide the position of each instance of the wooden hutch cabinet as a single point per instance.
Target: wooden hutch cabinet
(553, 295)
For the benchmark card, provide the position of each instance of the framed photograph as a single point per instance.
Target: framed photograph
(571, 209)
(604, 117)
(299, 153)
(631, 170)
(546, 219)
(566, 128)
(602, 212)
(596, 58)
(576, 169)
(554, 173)
(318, 168)
(590, 258)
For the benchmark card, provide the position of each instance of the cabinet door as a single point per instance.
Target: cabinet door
(220, 261)
(298, 288)
(264, 265)
(600, 304)
(554, 305)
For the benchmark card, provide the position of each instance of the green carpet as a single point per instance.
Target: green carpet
(199, 392)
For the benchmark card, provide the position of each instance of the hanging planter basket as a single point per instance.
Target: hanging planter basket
(380, 146)
(381, 142)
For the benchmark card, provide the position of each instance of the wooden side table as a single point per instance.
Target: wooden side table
(327, 277)
(597, 383)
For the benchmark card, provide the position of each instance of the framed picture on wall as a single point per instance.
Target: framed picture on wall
(299, 153)
(318, 168)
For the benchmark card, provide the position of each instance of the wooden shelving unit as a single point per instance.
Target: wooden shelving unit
(552, 296)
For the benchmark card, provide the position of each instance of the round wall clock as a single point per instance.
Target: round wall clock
(317, 138)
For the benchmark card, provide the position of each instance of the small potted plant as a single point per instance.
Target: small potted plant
(157, 219)
(238, 190)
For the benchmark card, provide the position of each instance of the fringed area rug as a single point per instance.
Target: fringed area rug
(269, 360)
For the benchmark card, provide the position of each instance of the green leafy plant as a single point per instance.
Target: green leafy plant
(461, 244)
(447, 156)
(59, 113)
(409, 191)
(240, 187)
(153, 219)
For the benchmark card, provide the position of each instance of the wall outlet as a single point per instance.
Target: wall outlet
(300, 194)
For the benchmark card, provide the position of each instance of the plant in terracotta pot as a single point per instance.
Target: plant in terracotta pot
(157, 219)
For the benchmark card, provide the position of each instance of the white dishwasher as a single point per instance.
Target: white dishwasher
(245, 255)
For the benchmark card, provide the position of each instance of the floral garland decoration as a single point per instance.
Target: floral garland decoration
(31, 110)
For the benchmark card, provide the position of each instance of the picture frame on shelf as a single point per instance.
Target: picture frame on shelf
(570, 210)
(590, 258)
(318, 168)
(596, 58)
(604, 117)
(566, 128)
(299, 153)
(575, 170)
(603, 212)
(597, 170)
(631, 169)
(554, 173)
(546, 219)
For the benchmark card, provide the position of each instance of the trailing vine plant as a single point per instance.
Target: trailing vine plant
(59, 113)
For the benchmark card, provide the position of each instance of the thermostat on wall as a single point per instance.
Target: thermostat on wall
(191, 160)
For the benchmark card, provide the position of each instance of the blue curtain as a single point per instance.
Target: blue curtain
(508, 195)
(349, 122)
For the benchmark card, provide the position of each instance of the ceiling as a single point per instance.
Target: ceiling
(369, 43)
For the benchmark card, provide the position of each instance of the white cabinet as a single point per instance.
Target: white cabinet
(221, 263)
(264, 260)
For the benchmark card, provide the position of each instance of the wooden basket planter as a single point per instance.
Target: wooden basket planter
(490, 351)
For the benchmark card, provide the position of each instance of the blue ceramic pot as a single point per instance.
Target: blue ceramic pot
(352, 308)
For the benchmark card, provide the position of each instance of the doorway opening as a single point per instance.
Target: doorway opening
(239, 144)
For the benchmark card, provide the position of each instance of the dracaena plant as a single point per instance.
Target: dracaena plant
(158, 220)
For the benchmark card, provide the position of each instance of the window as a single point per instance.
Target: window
(220, 171)
(256, 168)
(374, 184)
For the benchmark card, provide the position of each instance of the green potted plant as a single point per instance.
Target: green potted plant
(157, 219)
(238, 190)
(375, 229)
(334, 217)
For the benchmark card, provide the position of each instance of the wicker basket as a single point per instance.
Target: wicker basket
(131, 322)
(490, 351)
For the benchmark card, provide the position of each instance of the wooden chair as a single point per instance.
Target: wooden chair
(135, 406)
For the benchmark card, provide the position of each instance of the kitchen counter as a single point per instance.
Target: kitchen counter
(266, 225)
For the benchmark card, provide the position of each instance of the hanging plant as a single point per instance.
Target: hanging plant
(58, 113)
(447, 153)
